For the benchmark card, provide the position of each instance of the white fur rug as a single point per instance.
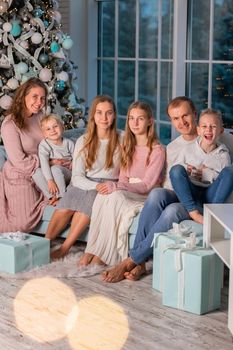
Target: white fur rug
(63, 268)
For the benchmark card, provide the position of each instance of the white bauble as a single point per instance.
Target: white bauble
(5, 101)
(57, 16)
(12, 83)
(36, 38)
(80, 123)
(3, 7)
(62, 76)
(7, 26)
(22, 67)
(24, 44)
(45, 75)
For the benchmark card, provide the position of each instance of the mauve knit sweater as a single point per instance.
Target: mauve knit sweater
(21, 204)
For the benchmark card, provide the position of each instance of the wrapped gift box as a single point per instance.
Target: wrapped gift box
(160, 243)
(192, 280)
(179, 234)
(21, 255)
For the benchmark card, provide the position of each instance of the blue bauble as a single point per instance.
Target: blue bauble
(67, 43)
(16, 29)
(54, 47)
(43, 58)
(60, 85)
(38, 12)
(46, 23)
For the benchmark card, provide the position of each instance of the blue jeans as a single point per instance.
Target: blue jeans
(193, 197)
(161, 209)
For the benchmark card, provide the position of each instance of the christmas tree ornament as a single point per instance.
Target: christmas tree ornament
(43, 58)
(22, 67)
(60, 85)
(62, 76)
(45, 75)
(16, 29)
(12, 83)
(57, 16)
(7, 26)
(67, 43)
(4, 62)
(38, 12)
(5, 101)
(3, 7)
(54, 47)
(24, 44)
(36, 38)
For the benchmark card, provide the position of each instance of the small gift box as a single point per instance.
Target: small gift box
(20, 252)
(192, 279)
(179, 234)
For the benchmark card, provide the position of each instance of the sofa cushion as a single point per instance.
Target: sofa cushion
(2, 156)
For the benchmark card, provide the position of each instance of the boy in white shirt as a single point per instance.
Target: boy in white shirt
(55, 154)
(195, 179)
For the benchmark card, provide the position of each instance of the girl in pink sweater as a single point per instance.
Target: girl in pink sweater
(142, 162)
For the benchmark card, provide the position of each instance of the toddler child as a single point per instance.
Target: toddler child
(196, 181)
(55, 154)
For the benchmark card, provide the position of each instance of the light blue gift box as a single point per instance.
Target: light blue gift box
(177, 235)
(18, 256)
(192, 280)
(160, 243)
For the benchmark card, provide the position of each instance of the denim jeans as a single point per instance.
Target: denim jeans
(161, 209)
(193, 197)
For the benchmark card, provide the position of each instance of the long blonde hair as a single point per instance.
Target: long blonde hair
(91, 140)
(129, 142)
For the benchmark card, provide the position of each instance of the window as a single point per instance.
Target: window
(156, 50)
(135, 56)
(209, 61)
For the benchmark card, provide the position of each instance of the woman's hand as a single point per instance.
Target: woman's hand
(52, 186)
(102, 188)
(62, 162)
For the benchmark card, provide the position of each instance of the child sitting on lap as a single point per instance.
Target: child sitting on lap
(55, 154)
(196, 181)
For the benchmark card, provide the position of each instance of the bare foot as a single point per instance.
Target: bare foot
(136, 272)
(85, 259)
(116, 274)
(58, 254)
(196, 216)
(97, 261)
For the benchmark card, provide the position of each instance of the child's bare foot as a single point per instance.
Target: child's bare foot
(116, 274)
(196, 216)
(85, 259)
(97, 261)
(136, 272)
(58, 254)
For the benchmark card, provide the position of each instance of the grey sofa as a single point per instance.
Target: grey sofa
(41, 228)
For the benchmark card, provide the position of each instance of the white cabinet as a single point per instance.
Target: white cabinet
(217, 234)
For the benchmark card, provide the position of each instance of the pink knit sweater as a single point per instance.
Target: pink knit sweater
(21, 204)
(149, 175)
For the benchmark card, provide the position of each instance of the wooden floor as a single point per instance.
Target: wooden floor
(99, 316)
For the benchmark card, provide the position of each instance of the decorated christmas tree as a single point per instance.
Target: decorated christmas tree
(32, 44)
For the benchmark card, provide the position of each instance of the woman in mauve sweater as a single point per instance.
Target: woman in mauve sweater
(21, 203)
(142, 164)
